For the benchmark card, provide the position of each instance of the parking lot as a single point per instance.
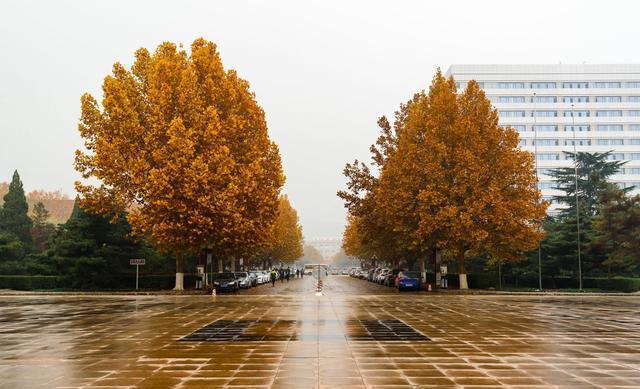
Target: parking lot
(358, 335)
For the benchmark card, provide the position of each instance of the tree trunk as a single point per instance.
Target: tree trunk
(220, 265)
(233, 265)
(462, 274)
(179, 272)
(437, 268)
(423, 271)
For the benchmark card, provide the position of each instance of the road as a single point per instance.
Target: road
(358, 335)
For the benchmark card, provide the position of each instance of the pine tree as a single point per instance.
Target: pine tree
(42, 229)
(14, 217)
(560, 246)
(91, 249)
(618, 223)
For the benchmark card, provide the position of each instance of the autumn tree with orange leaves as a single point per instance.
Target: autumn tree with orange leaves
(182, 144)
(456, 181)
(286, 242)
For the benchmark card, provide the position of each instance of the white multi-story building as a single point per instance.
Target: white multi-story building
(551, 105)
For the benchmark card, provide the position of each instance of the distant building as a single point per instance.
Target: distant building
(328, 247)
(600, 104)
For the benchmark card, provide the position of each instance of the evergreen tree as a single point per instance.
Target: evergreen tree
(42, 229)
(14, 217)
(91, 251)
(618, 223)
(559, 248)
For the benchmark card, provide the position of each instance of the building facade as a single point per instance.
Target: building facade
(328, 246)
(551, 105)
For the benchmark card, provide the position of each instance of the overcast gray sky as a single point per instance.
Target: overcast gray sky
(322, 70)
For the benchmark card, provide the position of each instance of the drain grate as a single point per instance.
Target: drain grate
(290, 330)
(382, 330)
(245, 330)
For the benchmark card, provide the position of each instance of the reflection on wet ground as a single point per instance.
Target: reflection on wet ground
(347, 338)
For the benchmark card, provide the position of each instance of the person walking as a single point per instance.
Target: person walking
(273, 278)
(287, 274)
(302, 273)
(281, 275)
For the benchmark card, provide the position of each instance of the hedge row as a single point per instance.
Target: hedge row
(153, 282)
(489, 280)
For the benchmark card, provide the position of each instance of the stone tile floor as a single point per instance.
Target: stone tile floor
(473, 341)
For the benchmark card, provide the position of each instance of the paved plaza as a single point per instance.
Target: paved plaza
(357, 335)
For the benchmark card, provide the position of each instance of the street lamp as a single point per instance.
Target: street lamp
(575, 165)
(535, 156)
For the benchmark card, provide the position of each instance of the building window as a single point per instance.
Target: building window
(545, 171)
(607, 84)
(579, 142)
(633, 99)
(634, 127)
(609, 127)
(575, 99)
(608, 99)
(608, 113)
(544, 114)
(575, 85)
(544, 99)
(577, 128)
(545, 128)
(576, 113)
(617, 156)
(522, 142)
(510, 85)
(512, 114)
(510, 99)
(545, 142)
(635, 142)
(545, 185)
(632, 170)
(610, 142)
(549, 156)
(543, 85)
(633, 84)
(633, 113)
(634, 156)
(517, 127)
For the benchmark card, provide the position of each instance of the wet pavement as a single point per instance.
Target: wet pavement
(357, 335)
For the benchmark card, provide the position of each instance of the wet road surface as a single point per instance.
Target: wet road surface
(357, 335)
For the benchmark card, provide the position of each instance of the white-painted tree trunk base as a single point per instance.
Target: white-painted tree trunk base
(463, 281)
(179, 281)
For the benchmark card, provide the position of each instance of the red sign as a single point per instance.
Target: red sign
(136, 261)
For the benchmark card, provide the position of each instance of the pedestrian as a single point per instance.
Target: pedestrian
(297, 273)
(273, 278)
(281, 275)
(287, 274)
(302, 273)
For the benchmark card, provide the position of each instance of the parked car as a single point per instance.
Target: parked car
(374, 275)
(390, 277)
(408, 280)
(381, 275)
(244, 280)
(225, 282)
(255, 278)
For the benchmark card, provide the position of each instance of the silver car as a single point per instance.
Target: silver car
(244, 280)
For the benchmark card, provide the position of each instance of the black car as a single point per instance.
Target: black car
(225, 282)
